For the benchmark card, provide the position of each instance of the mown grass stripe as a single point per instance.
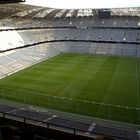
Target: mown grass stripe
(105, 80)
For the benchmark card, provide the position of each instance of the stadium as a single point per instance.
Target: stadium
(70, 73)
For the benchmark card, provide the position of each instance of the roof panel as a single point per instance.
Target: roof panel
(26, 12)
(59, 14)
(70, 13)
(44, 13)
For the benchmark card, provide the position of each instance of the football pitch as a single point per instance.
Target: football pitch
(105, 87)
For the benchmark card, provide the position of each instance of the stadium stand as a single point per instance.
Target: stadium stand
(108, 36)
(49, 32)
(42, 118)
(19, 59)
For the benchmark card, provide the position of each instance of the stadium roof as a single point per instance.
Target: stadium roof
(21, 10)
(41, 12)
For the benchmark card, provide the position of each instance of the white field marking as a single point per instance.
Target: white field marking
(71, 99)
(75, 100)
(137, 64)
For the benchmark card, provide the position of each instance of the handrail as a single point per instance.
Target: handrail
(74, 130)
(70, 99)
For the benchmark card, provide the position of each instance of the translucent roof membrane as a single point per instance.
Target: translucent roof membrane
(44, 13)
(85, 12)
(70, 13)
(25, 13)
(59, 14)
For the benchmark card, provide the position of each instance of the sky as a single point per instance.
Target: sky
(76, 4)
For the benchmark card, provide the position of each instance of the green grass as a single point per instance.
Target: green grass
(100, 86)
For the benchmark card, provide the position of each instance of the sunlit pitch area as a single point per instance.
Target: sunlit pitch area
(76, 4)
